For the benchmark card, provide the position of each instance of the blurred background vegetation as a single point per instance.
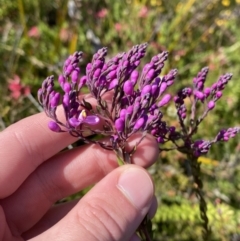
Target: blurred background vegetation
(37, 36)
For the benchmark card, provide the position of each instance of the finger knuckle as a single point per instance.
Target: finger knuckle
(101, 219)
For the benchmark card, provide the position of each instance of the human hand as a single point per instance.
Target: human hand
(34, 175)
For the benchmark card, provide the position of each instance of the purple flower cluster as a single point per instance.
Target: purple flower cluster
(137, 100)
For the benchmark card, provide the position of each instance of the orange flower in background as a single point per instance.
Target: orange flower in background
(34, 32)
(102, 13)
(143, 13)
(118, 27)
(17, 89)
(65, 34)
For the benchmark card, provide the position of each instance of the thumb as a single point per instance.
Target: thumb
(111, 211)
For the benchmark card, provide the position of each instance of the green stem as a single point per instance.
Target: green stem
(198, 188)
(22, 16)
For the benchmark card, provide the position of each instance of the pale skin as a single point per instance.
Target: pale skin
(34, 174)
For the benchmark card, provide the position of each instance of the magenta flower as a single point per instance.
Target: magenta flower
(137, 100)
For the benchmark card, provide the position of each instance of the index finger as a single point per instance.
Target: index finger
(24, 146)
(28, 143)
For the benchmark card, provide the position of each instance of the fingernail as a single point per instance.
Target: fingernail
(137, 186)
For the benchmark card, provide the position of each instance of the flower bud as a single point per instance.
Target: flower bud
(123, 113)
(82, 82)
(112, 74)
(146, 90)
(170, 82)
(53, 126)
(134, 77)
(160, 140)
(91, 120)
(74, 122)
(55, 100)
(39, 94)
(129, 110)
(199, 95)
(163, 87)
(105, 67)
(207, 91)
(66, 100)
(97, 73)
(68, 61)
(69, 70)
(75, 76)
(183, 115)
(125, 63)
(154, 90)
(61, 80)
(154, 131)
(211, 104)
(218, 94)
(150, 75)
(128, 87)
(88, 67)
(140, 123)
(101, 81)
(113, 84)
(214, 86)
(98, 64)
(120, 124)
(136, 63)
(147, 67)
(67, 87)
(165, 100)
(154, 59)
